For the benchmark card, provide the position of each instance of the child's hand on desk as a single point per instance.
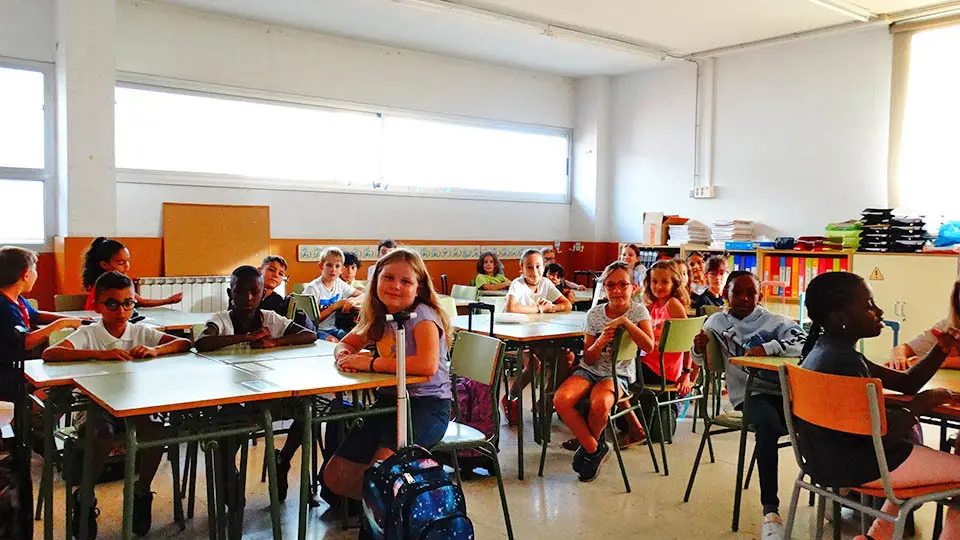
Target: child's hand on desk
(949, 341)
(756, 351)
(353, 363)
(928, 400)
(258, 334)
(142, 351)
(114, 354)
(263, 343)
(700, 342)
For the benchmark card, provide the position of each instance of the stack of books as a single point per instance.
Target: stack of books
(735, 232)
(691, 232)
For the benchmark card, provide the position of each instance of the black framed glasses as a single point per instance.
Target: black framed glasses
(114, 305)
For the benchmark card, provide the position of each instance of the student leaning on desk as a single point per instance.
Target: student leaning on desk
(904, 355)
(114, 338)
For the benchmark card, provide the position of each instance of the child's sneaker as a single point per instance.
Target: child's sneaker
(142, 513)
(283, 470)
(91, 517)
(511, 410)
(592, 463)
(578, 457)
(773, 528)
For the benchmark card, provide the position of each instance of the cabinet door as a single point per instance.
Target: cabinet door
(913, 290)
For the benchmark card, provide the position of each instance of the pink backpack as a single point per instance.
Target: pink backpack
(475, 404)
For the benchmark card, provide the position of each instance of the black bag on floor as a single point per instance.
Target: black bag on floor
(409, 496)
(668, 417)
(16, 485)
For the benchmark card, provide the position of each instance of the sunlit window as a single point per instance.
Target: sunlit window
(22, 155)
(223, 140)
(929, 175)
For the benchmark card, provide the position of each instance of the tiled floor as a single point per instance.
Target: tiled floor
(556, 506)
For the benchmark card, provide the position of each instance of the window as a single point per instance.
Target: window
(208, 139)
(23, 154)
(928, 167)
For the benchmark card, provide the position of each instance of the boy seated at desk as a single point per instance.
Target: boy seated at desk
(18, 274)
(245, 322)
(273, 269)
(114, 338)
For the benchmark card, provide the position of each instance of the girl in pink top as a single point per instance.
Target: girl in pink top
(666, 298)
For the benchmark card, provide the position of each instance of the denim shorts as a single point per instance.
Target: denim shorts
(594, 378)
(428, 415)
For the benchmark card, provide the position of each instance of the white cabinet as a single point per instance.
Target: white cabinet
(913, 290)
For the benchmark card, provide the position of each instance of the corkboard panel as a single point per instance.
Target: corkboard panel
(211, 239)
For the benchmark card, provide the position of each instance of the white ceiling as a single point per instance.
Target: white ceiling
(677, 26)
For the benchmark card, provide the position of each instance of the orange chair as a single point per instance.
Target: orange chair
(815, 398)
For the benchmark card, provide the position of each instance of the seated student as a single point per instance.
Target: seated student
(716, 279)
(925, 342)
(245, 322)
(842, 310)
(593, 375)
(18, 273)
(698, 278)
(630, 254)
(531, 293)
(274, 270)
(343, 319)
(684, 267)
(331, 292)
(400, 283)
(555, 273)
(108, 255)
(383, 248)
(666, 298)
(550, 257)
(747, 329)
(490, 273)
(348, 272)
(114, 338)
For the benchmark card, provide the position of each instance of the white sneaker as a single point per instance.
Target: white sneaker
(773, 528)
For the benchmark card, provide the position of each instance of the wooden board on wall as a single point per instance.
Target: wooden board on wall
(212, 239)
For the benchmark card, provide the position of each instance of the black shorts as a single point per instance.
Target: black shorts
(429, 417)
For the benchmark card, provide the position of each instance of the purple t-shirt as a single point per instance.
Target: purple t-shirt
(439, 384)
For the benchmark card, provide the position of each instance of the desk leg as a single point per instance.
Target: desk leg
(86, 484)
(49, 450)
(541, 410)
(271, 472)
(506, 382)
(305, 459)
(129, 477)
(744, 429)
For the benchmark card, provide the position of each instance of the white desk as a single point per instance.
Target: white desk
(242, 354)
(43, 374)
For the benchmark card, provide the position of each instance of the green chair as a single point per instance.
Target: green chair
(710, 310)
(676, 337)
(477, 358)
(69, 302)
(449, 306)
(297, 288)
(58, 335)
(33, 303)
(463, 292)
(305, 303)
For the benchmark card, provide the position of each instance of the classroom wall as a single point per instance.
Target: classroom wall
(800, 136)
(174, 42)
(27, 29)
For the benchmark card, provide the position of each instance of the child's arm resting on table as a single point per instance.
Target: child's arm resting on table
(149, 302)
(913, 379)
(293, 335)
(211, 340)
(65, 352)
(168, 345)
(37, 337)
(425, 363)
(788, 342)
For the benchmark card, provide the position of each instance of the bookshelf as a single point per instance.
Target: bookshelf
(795, 269)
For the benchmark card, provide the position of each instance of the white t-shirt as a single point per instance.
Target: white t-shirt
(597, 320)
(926, 341)
(96, 338)
(522, 294)
(276, 324)
(327, 297)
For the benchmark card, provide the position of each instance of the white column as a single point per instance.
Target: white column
(87, 194)
(591, 206)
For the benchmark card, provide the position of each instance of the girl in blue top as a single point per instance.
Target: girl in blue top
(400, 283)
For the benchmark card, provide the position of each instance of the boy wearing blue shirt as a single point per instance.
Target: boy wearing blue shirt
(18, 273)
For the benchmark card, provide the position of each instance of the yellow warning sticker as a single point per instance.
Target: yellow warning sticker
(876, 275)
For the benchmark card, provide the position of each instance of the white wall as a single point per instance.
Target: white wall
(173, 42)
(800, 136)
(27, 29)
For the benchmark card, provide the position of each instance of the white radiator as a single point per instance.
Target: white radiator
(201, 294)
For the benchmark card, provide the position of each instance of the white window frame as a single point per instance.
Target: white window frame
(49, 173)
(179, 86)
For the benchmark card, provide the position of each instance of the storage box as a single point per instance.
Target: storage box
(655, 227)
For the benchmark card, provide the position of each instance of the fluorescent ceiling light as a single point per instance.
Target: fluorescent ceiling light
(568, 34)
(444, 6)
(558, 32)
(846, 8)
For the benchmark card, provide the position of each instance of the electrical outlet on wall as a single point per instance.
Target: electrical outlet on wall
(703, 192)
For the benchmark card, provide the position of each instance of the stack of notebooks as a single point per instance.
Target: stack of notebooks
(883, 233)
(846, 234)
(735, 232)
(691, 232)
